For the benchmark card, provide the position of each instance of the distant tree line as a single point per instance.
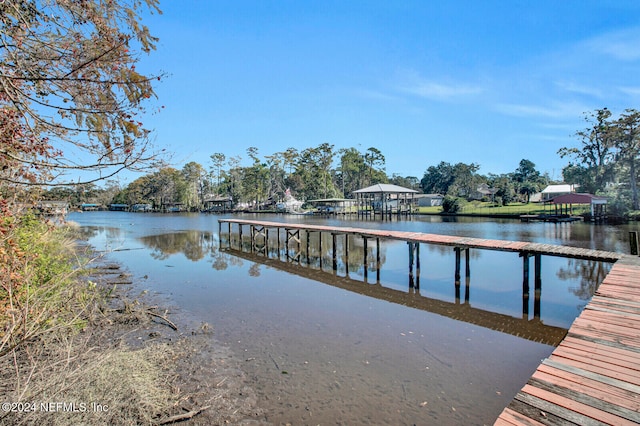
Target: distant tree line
(605, 164)
(608, 158)
(313, 173)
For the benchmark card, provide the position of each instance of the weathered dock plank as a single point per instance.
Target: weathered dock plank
(593, 376)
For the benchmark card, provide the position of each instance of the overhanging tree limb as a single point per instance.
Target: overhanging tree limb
(77, 60)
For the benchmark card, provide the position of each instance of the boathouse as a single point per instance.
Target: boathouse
(218, 204)
(89, 207)
(118, 207)
(564, 204)
(384, 200)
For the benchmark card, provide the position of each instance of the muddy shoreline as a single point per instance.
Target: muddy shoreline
(206, 373)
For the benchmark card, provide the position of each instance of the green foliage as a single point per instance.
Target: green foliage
(634, 215)
(451, 204)
(36, 276)
(609, 155)
(48, 247)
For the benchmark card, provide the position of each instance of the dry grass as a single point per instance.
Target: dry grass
(118, 386)
(57, 350)
(74, 349)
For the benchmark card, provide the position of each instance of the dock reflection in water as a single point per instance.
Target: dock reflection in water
(533, 329)
(315, 262)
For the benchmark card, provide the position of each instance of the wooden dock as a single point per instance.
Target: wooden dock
(462, 243)
(593, 376)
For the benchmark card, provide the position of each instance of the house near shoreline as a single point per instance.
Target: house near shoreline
(552, 191)
(429, 200)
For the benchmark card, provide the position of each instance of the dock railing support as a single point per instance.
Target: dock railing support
(633, 242)
(292, 234)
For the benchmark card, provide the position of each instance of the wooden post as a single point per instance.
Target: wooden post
(365, 259)
(378, 260)
(320, 249)
(410, 246)
(278, 241)
(417, 265)
(240, 234)
(334, 254)
(286, 244)
(346, 252)
(467, 269)
(414, 257)
(308, 254)
(457, 275)
(537, 285)
(525, 285)
(633, 242)
(467, 289)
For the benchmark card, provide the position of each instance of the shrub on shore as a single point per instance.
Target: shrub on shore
(52, 348)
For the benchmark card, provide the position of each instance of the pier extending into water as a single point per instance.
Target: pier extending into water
(592, 377)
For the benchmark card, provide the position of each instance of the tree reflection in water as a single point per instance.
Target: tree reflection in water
(590, 273)
(195, 245)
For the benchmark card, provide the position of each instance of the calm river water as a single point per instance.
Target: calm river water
(335, 348)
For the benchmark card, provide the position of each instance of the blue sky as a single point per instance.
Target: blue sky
(489, 82)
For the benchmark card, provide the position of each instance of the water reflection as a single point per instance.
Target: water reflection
(533, 329)
(352, 358)
(195, 245)
(110, 233)
(314, 264)
(589, 273)
(336, 259)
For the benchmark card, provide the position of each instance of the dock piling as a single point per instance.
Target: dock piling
(525, 284)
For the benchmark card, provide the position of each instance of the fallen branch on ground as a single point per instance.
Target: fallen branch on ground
(181, 417)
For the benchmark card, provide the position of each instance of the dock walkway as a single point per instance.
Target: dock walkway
(593, 376)
(446, 240)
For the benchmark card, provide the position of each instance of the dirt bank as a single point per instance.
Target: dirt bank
(137, 360)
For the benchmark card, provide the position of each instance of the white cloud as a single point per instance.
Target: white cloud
(416, 85)
(434, 90)
(631, 91)
(580, 89)
(556, 110)
(623, 45)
